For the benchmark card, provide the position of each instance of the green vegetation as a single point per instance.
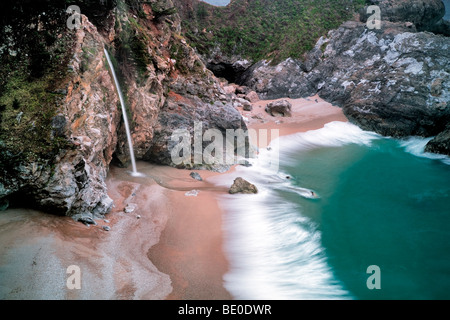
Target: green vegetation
(33, 81)
(27, 110)
(265, 29)
(131, 42)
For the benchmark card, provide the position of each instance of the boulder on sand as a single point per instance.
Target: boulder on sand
(280, 107)
(242, 186)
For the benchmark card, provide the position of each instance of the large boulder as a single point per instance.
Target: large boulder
(241, 185)
(440, 143)
(279, 108)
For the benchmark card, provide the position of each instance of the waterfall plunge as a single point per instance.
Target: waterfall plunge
(125, 118)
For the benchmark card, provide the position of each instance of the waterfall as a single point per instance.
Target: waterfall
(124, 113)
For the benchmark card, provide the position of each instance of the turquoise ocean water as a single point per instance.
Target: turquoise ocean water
(380, 201)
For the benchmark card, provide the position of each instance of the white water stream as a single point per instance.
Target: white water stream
(125, 118)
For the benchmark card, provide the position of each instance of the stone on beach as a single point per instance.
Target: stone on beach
(196, 176)
(241, 185)
(243, 103)
(130, 207)
(87, 220)
(192, 193)
(280, 107)
(252, 96)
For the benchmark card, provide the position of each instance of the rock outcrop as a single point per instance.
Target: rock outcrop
(72, 181)
(441, 143)
(394, 80)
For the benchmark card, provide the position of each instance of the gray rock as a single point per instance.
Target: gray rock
(279, 108)
(130, 208)
(243, 103)
(58, 124)
(86, 219)
(106, 228)
(440, 144)
(196, 176)
(241, 185)
(19, 117)
(210, 116)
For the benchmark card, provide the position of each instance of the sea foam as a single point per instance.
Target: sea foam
(416, 146)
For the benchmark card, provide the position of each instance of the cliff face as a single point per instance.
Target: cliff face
(58, 139)
(393, 80)
(55, 112)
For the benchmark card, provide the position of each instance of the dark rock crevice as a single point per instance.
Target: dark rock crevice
(232, 72)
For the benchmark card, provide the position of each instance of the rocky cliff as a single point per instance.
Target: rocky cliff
(394, 80)
(61, 124)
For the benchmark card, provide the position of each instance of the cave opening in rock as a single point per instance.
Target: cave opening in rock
(231, 72)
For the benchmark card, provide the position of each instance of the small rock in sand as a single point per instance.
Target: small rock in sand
(130, 207)
(193, 193)
(106, 228)
(87, 220)
(196, 176)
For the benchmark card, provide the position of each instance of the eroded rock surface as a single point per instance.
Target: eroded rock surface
(394, 80)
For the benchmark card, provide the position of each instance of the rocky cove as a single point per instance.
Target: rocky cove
(62, 135)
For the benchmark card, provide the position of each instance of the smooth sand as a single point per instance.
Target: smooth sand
(169, 247)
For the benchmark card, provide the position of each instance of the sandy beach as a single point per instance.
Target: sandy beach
(167, 244)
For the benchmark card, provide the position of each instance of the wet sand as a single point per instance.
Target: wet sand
(169, 247)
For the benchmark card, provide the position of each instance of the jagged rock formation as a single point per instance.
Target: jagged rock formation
(165, 83)
(70, 179)
(394, 80)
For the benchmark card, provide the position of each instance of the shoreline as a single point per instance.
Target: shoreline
(171, 246)
(197, 273)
